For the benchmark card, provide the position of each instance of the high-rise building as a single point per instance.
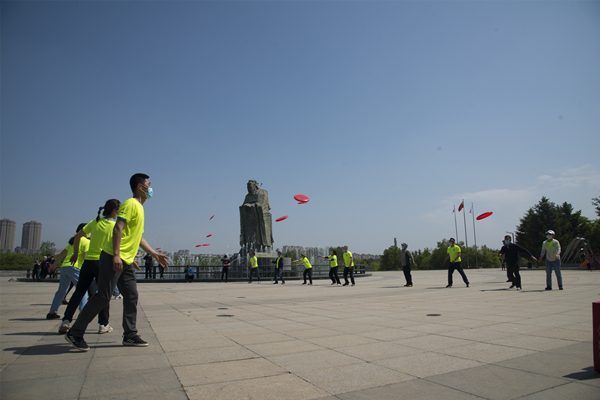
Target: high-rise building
(7, 234)
(32, 236)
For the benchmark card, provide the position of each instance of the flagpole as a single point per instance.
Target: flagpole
(474, 234)
(466, 237)
(455, 226)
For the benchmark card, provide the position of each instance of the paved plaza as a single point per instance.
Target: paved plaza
(376, 340)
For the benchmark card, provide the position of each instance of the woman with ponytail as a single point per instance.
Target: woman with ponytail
(100, 230)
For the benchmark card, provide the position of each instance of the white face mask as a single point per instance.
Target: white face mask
(507, 241)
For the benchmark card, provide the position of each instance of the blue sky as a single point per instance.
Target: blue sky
(386, 114)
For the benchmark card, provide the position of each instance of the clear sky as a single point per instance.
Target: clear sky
(386, 114)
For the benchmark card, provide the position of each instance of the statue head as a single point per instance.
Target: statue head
(252, 187)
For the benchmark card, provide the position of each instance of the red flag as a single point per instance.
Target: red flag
(462, 205)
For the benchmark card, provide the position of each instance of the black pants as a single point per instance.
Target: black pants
(162, 272)
(307, 271)
(516, 276)
(189, 278)
(333, 275)
(148, 274)
(510, 273)
(225, 273)
(252, 272)
(278, 273)
(89, 272)
(35, 275)
(407, 274)
(349, 271)
(456, 266)
(107, 280)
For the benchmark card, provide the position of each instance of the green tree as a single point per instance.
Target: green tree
(596, 203)
(47, 248)
(390, 260)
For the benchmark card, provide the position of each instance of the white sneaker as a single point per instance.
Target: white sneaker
(105, 328)
(118, 297)
(64, 327)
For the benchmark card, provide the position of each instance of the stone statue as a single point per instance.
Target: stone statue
(255, 219)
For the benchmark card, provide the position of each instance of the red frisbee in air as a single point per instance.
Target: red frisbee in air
(158, 248)
(211, 217)
(281, 219)
(209, 235)
(206, 245)
(301, 198)
(484, 215)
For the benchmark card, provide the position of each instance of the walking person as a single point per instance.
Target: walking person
(510, 255)
(100, 231)
(278, 269)
(225, 271)
(453, 253)
(407, 262)
(69, 273)
(333, 267)
(551, 250)
(348, 266)
(307, 268)
(117, 267)
(253, 267)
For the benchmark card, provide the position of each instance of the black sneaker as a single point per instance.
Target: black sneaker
(345, 284)
(77, 342)
(134, 341)
(560, 288)
(548, 288)
(449, 286)
(468, 284)
(52, 316)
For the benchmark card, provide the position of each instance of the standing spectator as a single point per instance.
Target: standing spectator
(333, 267)
(453, 253)
(35, 275)
(44, 268)
(307, 268)
(551, 249)
(407, 262)
(253, 265)
(278, 269)
(148, 266)
(189, 274)
(510, 255)
(348, 266)
(225, 269)
(51, 271)
(69, 273)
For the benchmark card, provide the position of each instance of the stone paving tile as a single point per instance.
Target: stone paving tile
(335, 380)
(192, 375)
(378, 351)
(334, 342)
(432, 342)
(59, 388)
(45, 369)
(197, 344)
(155, 394)
(497, 383)
(128, 362)
(389, 334)
(485, 352)
(313, 359)
(206, 356)
(281, 348)
(125, 383)
(415, 389)
(426, 364)
(280, 387)
(573, 390)
(532, 342)
(270, 337)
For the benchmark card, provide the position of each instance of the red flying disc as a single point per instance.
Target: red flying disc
(301, 198)
(281, 219)
(302, 202)
(158, 248)
(206, 245)
(484, 215)
(209, 235)
(199, 245)
(211, 217)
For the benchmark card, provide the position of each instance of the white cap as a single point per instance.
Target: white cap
(550, 232)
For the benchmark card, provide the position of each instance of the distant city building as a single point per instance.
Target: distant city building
(7, 234)
(292, 248)
(32, 236)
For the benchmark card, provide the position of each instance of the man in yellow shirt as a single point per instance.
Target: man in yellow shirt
(454, 254)
(117, 268)
(253, 265)
(348, 266)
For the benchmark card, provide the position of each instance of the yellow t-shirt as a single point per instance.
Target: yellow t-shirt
(347, 258)
(101, 234)
(84, 245)
(333, 260)
(253, 262)
(453, 252)
(132, 212)
(306, 263)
